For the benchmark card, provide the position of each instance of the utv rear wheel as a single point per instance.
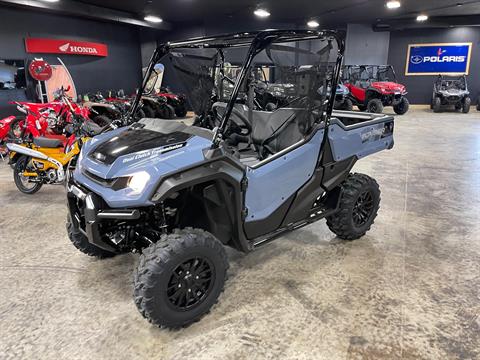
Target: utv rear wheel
(180, 278)
(402, 107)
(359, 205)
(437, 104)
(80, 241)
(466, 105)
(375, 106)
(25, 183)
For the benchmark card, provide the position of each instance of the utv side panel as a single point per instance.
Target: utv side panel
(361, 139)
(269, 186)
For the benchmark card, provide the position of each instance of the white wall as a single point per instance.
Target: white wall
(364, 46)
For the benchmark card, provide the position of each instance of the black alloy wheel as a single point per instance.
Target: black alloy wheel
(363, 209)
(190, 283)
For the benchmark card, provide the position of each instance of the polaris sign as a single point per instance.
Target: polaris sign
(435, 59)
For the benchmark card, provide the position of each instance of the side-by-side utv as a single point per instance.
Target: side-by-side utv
(451, 91)
(179, 195)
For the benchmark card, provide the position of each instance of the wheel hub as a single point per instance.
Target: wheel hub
(190, 283)
(363, 208)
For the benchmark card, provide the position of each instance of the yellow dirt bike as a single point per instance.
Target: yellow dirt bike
(45, 160)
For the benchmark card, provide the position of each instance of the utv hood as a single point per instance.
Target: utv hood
(151, 147)
(389, 87)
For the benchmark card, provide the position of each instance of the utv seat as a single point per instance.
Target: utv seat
(47, 142)
(272, 131)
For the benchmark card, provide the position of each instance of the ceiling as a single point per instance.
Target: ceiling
(329, 13)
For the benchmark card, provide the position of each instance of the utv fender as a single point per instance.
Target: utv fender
(224, 180)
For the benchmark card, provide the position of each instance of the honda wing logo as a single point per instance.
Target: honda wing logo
(64, 47)
(440, 58)
(77, 49)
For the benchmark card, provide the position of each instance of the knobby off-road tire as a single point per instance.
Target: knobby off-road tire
(188, 259)
(80, 241)
(402, 107)
(149, 112)
(359, 206)
(347, 105)
(466, 105)
(21, 182)
(375, 106)
(436, 104)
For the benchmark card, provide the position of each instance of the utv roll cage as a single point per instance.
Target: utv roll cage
(256, 42)
(444, 83)
(353, 73)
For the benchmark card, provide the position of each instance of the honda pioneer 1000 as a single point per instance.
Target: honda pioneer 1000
(179, 194)
(372, 87)
(451, 91)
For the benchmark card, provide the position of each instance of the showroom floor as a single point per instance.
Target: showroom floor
(409, 289)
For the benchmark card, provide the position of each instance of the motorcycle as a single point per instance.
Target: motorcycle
(45, 160)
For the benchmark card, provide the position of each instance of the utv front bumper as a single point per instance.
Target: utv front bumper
(90, 215)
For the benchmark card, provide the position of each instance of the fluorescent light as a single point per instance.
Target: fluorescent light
(422, 17)
(51, 1)
(393, 4)
(313, 24)
(261, 13)
(153, 19)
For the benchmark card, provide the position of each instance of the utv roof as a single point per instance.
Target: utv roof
(244, 39)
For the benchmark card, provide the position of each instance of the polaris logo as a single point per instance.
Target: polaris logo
(77, 49)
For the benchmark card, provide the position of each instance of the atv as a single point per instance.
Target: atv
(180, 194)
(372, 87)
(451, 91)
(177, 101)
(342, 99)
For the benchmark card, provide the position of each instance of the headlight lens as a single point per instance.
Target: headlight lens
(138, 181)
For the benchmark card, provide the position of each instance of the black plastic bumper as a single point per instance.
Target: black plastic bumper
(88, 212)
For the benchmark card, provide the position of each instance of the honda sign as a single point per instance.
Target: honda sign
(434, 59)
(69, 47)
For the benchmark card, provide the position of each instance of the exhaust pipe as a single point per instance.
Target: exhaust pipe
(26, 151)
(39, 155)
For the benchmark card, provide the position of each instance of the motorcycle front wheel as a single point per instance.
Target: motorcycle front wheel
(23, 183)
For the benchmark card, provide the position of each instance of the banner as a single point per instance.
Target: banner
(435, 59)
(68, 47)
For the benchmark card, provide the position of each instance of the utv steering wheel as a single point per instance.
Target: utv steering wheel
(237, 118)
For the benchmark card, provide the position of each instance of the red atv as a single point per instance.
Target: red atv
(374, 86)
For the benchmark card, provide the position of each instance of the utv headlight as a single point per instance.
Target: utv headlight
(138, 181)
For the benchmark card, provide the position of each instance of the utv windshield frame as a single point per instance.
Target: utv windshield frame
(347, 73)
(256, 42)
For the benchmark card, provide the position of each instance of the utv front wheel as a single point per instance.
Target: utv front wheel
(375, 106)
(402, 107)
(359, 205)
(180, 278)
(347, 105)
(437, 104)
(80, 241)
(466, 105)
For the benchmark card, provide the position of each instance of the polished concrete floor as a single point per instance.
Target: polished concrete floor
(410, 289)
